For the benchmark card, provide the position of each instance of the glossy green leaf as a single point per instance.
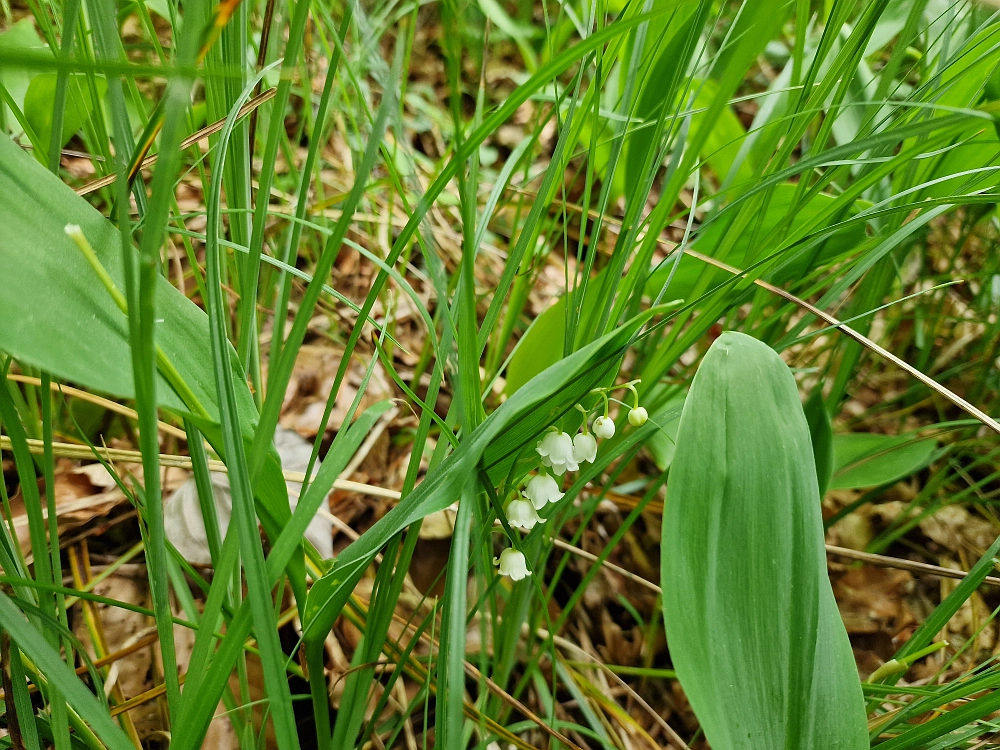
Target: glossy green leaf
(752, 625)
(39, 102)
(863, 459)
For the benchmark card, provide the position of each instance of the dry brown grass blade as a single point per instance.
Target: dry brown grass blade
(957, 400)
(935, 386)
(286, 617)
(80, 568)
(568, 645)
(109, 659)
(120, 455)
(124, 707)
(882, 561)
(514, 703)
(594, 559)
(93, 399)
(611, 707)
(417, 671)
(199, 135)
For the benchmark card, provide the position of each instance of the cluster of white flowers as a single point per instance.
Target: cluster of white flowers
(560, 452)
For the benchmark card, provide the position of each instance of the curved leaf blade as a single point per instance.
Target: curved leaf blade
(868, 460)
(58, 317)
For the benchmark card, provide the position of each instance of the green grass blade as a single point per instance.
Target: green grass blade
(55, 670)
(244, 517)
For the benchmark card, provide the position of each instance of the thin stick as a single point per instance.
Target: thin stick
(894, 562)
(183, 462)
(935, 386)
(199, 135)
(68, 450)
(94, 399)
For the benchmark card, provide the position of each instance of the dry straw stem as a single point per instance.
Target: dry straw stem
(894, 562)
(199, 135)
(155, 692)
(120, 455)
(417, 671)
(881, 561)
(104, 661)
(568, 645)
(93, 399)
(957, 400)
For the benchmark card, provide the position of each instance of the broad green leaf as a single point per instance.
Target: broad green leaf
(58, 317)
(540, 347)
(663, 442)
(963, 83)
(972, 159)
(39, 102)
(160, 7)
(18, 39)
(752, 625)
(725, 138)
(862, 459)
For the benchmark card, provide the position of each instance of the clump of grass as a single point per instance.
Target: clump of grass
(568, 199)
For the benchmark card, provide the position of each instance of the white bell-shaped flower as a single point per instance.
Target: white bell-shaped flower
(556, 450)
(513, 564)
(585, 448)
(521, 514)
(637, 417)
(541, 490)
(604, 427)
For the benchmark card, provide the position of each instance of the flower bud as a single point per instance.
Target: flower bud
(513, 564)
(521, 514)
(585, 448)
(541, 490)
(637, 417)
(604, 427)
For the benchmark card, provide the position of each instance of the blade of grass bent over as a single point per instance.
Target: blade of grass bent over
(244, 518)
